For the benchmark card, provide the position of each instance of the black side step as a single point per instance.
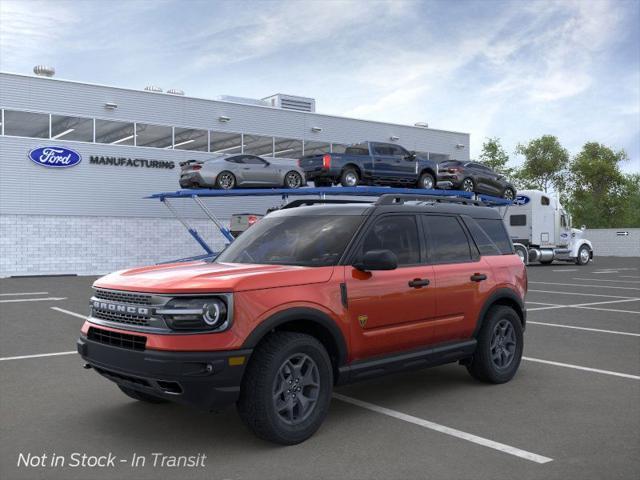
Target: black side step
(427, 357)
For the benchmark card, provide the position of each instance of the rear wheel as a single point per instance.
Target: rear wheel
(584, 255)
(286, 390)
(225, 180)
(508, 194)
(293, 179)
(523, 253)
(141, 396)
(426, 181)
(499, 350)
(349, 178)
(468, 185)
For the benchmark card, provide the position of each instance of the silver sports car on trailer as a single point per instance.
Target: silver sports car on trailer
(232, 171)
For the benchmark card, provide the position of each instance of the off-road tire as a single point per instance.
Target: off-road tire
(141, 396)
(256, 405)
(482, 366)
(345, 177)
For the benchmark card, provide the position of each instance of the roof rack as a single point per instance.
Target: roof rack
(387, 196)
(390, 199)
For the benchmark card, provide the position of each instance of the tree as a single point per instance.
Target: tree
(599, 194)
(494, 156)
(544, 165)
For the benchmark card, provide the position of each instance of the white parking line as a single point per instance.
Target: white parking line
(629, 276)
(597, 330)
(603, 280)
(566, 270)
(552, 306)
(22, 293)
(579, 367)
(540, 303)
(587, 286)
(47, 299)
(581, 294)
(39, 355)
(611, 310)
(533, 457)
(73, 314)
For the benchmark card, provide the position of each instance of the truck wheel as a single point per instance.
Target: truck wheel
(349, 178)
(499, 350)
(584, 255)
(286, 390)
(426, 181)
(546, 262)
(225, 180)
(523, 253)
(143, 397)
(468, 185)
(508, 194)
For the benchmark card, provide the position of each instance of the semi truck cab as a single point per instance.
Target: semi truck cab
(541, 230)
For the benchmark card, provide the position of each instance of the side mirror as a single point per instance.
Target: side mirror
(411, 156)
(583, 227)
(377, 260)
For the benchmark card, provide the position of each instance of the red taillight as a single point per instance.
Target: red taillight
(252, 219)
(326, 161)
(453, 170)
(299, 162)
(196, 167)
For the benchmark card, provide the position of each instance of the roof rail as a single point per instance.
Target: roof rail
(391, 199)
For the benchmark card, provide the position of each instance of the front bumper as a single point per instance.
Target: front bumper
(206, 380)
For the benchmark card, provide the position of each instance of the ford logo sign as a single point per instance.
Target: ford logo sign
(521, 200)
(55, 157)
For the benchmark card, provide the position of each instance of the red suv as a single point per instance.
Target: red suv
(309, 298)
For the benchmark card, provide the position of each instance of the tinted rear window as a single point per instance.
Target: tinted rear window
(446, 240)
(497, 233)
(518, 220)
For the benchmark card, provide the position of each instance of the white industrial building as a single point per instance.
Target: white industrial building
(92, 218)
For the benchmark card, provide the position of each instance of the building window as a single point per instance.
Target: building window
(26, 124)
(287, 148)
(226, 143)
(316, 148)
(115, 133)
(258, 145)
(156, 136)
(71, 128)
(191, 139)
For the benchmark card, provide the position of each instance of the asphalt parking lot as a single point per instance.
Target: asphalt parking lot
(572, 411)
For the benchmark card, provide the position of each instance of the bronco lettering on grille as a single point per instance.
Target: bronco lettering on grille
(119, 308)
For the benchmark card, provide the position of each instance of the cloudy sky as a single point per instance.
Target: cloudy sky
(512, 69)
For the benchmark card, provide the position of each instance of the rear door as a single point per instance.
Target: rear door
(462, 278)
(383, 161)
(390, 311)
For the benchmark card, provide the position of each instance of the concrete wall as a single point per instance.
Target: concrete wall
(607, 242)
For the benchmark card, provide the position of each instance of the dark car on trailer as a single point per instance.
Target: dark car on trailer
(371, 163)
(475, 177)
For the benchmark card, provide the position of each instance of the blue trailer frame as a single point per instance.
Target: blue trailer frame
(284, 193)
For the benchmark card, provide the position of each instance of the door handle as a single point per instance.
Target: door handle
(419, 282)
(478, 277)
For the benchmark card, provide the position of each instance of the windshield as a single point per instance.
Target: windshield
(310, 241)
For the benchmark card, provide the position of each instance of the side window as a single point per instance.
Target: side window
(563, 221)
(238, 159)
(496, 231)
(398, 233)
(398, 151)
(544, 201)
(447, 240)
(382, 150)
(253, 160)
(518, 220)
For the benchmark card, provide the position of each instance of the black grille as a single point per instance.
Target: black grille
(124, 297)
(116, 339)
(121, 317)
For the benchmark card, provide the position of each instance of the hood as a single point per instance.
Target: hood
(204, 277)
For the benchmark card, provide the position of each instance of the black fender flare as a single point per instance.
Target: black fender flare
(304, 314)
(498, 297)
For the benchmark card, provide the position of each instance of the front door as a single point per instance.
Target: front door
(391, 310)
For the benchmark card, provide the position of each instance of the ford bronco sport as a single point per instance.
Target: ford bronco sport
(310, 298)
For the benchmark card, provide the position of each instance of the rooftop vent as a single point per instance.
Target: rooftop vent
(291, 102)
(44, 71)
(153, 88)
(244, 100)
(421, 124)
(175, 91)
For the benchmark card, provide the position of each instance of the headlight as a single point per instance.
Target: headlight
(209, 314)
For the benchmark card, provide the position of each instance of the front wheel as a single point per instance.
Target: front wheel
(286, 390)
(584, 255)
(522, 252)
(293, 179)
(426, 181)
(499, 349)
(508, 194)
(468, 185)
